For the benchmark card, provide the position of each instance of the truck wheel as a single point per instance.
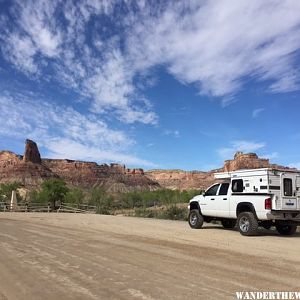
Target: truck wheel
(247, 223)
(228, 224)
(285, 229)
(195, 219)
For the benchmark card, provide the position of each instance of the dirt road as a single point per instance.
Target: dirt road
(72, 256)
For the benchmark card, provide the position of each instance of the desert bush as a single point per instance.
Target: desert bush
(33, 196)
(172, 212)
(75, 195)
(102, 201)
(155, 198)
(144, 213)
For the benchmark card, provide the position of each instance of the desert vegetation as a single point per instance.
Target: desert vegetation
(163, 203)
(6, 190)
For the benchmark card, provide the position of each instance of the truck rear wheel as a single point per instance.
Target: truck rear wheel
(195, 219)
(247, 223)
(285, 229)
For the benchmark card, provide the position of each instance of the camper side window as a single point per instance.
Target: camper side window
(287, 187)
(237, 185)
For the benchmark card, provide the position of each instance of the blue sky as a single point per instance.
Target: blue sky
(153, 84)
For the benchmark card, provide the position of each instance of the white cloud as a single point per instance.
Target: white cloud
(295, 165)
(64, 132)
(40, 43)
(214, 45)
(270, 155)
(256, 112)
(20, 51)
(240, 145)
(173, 133)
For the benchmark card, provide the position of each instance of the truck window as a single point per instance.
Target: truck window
(224, 189)
(212, 191)
(287, 187)
(237, 185)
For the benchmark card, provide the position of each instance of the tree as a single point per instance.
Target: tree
(6, 190)
(53, 192)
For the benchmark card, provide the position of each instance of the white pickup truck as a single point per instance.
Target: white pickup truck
(249, 199)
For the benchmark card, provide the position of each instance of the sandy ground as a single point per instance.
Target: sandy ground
(74, 256)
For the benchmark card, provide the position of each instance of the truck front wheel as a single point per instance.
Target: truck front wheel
(247, 223)
(285, 229)
(195, 219)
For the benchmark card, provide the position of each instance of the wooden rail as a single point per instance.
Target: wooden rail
(39, 207)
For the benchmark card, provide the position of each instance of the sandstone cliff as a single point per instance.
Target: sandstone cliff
(179, 179)
(13, 167)
(182, 180)
(30, 170)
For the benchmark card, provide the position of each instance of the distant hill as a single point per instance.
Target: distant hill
(31, 170)
(179, 179)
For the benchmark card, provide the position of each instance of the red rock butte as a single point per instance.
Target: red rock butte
(30, 170)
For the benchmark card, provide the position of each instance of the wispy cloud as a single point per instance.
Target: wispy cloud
(173, 133)
(270, 155)
(58, 148)
(256, 112)
(65, 132)
(47, 45)
(240, 145)
(213, 45)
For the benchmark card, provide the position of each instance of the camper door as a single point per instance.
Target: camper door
(288, 190)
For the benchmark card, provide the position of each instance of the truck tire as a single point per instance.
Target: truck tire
(228, 223)
(247, 223)
(285, 229)
(195, 219)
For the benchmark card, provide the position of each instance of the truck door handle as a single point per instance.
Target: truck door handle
(224, 198)
(212, 198)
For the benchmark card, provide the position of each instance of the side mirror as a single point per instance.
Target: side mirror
(203, 194)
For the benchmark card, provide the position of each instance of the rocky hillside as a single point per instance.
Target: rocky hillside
(179, 179)
(182, 180)
(31, 171)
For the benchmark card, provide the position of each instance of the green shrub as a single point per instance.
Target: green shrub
(102, 201)
(144, 213)
(170, 213)
(155, 198)
(175, 213)
(75, 196)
